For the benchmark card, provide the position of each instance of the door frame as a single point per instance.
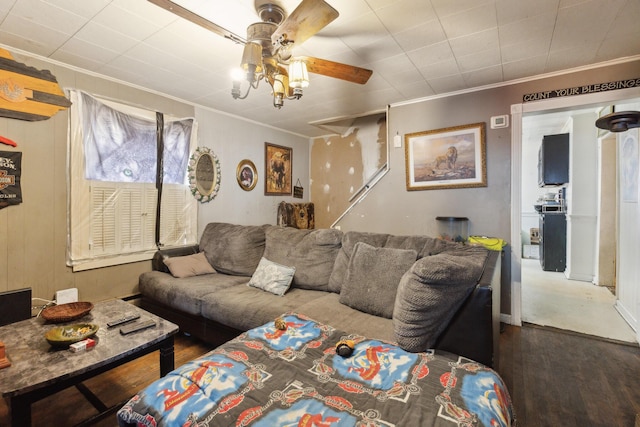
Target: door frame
(517, 113)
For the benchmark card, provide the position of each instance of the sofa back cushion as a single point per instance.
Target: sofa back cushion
(311, 252)
(423, 245)
(373, 276)
(233, 249)
(432, 291)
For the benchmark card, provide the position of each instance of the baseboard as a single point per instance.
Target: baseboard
(627, 316)
(505, 318)
(579, 277)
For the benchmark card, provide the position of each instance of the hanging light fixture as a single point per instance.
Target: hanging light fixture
(251, 70)
(619, 121)
(259, 63)
(280, 89)
(284, 84)
(298, 77)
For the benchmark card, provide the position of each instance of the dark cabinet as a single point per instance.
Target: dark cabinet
(553, 241)
(553, 160)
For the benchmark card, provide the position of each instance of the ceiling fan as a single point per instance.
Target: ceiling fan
(267, 48)
(619, 121)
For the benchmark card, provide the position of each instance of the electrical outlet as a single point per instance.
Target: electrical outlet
(67, 295)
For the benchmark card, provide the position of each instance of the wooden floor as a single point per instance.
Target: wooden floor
(555, 379)
(559, 378)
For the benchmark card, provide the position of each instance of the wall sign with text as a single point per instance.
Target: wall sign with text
(582, 90)
(10, 169)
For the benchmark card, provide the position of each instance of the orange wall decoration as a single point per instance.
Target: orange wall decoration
(27, 93)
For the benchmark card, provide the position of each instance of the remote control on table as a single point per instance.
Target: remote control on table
(123, 320)
(138, 326)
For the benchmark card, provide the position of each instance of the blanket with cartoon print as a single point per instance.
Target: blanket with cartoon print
(293, 377)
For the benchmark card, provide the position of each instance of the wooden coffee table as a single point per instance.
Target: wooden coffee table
(38, 370)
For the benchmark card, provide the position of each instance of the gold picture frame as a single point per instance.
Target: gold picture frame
(278, 162)
(453, 157)
(247, 175)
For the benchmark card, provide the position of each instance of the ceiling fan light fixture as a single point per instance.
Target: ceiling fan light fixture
(252, 59)
(280, 88)
(267, 47)
(298, 74)
(619, 121)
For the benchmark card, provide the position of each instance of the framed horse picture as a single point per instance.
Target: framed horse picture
(452, 157)
(278, 162)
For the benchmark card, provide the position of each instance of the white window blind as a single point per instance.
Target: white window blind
(113, 222)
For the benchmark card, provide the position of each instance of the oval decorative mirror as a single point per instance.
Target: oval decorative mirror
(204, 174)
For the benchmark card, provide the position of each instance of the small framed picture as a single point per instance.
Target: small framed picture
(452, 157)
(247, 175)
(277, 165)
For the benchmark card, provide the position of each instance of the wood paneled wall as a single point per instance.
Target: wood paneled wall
(33, 235)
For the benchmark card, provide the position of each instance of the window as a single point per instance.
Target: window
(112, 183)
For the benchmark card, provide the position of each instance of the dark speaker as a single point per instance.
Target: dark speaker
(15, 305)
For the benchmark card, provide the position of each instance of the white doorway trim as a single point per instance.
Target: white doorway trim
(517, 112)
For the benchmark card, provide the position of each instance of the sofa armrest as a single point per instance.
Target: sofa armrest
(157, 262)
(474, 331)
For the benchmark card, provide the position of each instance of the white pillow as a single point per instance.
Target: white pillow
(272, 277)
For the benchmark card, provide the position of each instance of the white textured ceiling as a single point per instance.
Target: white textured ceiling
(416, 48)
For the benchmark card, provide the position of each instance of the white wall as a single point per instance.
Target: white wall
(628, 268)
(530, 189)
(582, 198)
(233, 140)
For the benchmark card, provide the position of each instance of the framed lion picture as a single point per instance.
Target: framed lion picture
(452, 157)
(278, 163)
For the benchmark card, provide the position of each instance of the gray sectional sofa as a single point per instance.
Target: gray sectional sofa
(417, 291)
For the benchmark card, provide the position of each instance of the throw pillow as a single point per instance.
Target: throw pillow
(189, 265)
(272, 277)
(431, 293)
(372, 278)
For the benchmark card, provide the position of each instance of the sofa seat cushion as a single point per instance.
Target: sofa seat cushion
(423, 245)
(329, 310)
(233, 249)
(373, 276)
(245, 307)
(185, 293)
(431, 293)
(311, 252)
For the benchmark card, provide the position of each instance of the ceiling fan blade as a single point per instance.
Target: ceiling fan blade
(306, 20)
(336, 70)
(180, 11)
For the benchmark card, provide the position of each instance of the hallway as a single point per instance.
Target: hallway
(549, 299)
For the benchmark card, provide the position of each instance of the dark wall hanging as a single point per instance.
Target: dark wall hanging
(10, 171)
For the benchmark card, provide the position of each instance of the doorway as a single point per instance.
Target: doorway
(526, 272)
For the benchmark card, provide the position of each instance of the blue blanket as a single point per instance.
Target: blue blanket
(293, 377)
